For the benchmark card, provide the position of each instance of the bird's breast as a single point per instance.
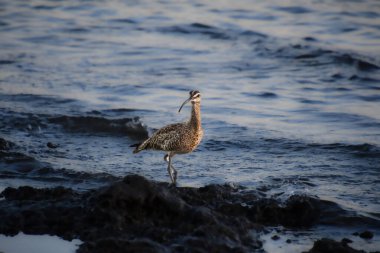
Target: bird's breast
(190, 141)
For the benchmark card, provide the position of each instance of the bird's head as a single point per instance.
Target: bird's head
(195, 97)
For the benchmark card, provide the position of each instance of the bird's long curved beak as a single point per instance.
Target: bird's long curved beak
(187, 101)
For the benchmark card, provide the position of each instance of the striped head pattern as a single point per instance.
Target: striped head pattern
(195, 97)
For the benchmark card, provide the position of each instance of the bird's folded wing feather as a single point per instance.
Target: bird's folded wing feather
(167, 137)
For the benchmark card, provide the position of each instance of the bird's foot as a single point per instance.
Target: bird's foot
(172, 186)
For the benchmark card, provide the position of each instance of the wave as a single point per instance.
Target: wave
(17, 165)
(213, 32)
(36, 103)
(293, 9)
(306, 52)
(20, 166)
(31, 122)
(197, 28)
(261, 95)
(284, 145)
(129, 126)
(312, 55)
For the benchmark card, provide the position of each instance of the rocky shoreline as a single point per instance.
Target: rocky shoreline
(139, 215)
(134, 214)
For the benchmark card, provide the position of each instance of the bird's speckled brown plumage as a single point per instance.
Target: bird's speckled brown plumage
(179, 138)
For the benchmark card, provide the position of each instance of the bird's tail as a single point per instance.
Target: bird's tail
(138, 147)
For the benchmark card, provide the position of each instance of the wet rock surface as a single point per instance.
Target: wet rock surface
(138, 215)
(133, 215)
(326, 245)
(5, 145)
(366, 235)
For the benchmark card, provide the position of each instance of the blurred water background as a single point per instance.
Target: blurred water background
(290, 89)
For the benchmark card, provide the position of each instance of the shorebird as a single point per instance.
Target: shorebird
(178, 138)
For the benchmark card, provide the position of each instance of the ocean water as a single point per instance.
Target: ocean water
(290, 93)
(22, 243)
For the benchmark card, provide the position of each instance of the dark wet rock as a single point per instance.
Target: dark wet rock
(266, 231)
(132, 215)
(346, 241)
(326, 245)
(30, 193)
(263, 188)
(275, 238)
(14, 163)
(298, 211)
(115, 244)
(366, 235)
(5, 145)
(14, 157)
(52, 145)
(288, 241)
(138, 215)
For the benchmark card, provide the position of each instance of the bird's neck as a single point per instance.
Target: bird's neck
(195, 119)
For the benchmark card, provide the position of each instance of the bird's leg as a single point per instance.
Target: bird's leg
(167, 159)
(172, 172)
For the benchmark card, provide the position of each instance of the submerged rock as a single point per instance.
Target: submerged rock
(326, 245)
(366, 235)
(12, 161)
(5, 145)
(298, 211)
(346, 241)
(52, 145)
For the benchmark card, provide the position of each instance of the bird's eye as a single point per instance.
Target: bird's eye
(194, 94)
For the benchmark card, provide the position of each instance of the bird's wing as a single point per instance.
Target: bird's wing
(166, 137)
